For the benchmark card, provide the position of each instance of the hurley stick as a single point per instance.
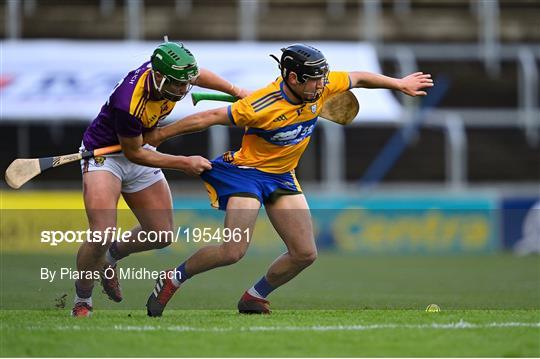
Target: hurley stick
(341, 108)
(23, 170)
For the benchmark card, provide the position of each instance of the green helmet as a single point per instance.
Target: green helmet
(178, 67)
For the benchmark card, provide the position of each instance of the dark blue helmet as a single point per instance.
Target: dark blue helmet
(305, 61)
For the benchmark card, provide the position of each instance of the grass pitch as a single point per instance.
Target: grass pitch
(342, 306)
(311, 333)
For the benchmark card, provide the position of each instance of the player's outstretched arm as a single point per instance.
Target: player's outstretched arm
(133, 150)
(194, 123)
(210, 80)
(412, 85)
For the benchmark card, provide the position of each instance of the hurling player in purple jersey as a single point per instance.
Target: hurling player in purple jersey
(144, 97)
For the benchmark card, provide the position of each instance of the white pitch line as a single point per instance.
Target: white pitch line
(316, 328)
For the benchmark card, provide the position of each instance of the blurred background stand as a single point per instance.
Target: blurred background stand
(482, 139)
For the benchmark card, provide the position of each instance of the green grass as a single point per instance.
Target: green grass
(341, 306)
(309, 333)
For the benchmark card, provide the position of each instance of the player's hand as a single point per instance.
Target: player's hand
(197, 165)
(413, 84)
(240, 92)
(153, 137)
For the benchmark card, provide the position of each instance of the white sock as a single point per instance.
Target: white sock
(110, 258)
(253, 292)
(83, 300)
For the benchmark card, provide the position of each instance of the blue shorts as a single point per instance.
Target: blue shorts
(225, 180)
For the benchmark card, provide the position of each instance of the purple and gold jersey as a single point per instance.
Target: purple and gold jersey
(277, 131)
(129, 112)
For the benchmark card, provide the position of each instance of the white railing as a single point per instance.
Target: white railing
(528, 96)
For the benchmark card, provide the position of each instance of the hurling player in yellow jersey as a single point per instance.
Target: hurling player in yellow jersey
(278, 121)
(145, 96)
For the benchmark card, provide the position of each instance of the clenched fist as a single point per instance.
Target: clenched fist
(240, 92)
(197, 165)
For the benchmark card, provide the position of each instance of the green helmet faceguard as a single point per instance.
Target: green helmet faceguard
(178, 67)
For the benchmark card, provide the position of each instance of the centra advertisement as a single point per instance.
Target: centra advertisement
(379, 225)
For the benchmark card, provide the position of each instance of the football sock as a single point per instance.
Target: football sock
(83, 300)
(110, 258)
(83, 295)
(261, 289)
(113, 254)
(180, 275)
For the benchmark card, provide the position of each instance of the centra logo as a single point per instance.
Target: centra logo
(280, 118)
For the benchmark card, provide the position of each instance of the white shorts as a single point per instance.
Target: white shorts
(134, 177)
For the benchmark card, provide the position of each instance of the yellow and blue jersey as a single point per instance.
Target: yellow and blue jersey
(129, 111)
(277, 131)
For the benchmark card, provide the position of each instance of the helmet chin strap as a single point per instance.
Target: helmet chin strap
(166, 94)
(293, 92)
(314, 94)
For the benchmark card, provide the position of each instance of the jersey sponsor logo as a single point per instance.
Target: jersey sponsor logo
(292, 136)
(314, 108)
(286, 135)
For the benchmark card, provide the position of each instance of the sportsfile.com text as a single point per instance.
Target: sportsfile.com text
(113, 234)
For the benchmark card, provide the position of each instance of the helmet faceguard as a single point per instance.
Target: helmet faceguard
(170, 88)
(307, 63)
(177, 66)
